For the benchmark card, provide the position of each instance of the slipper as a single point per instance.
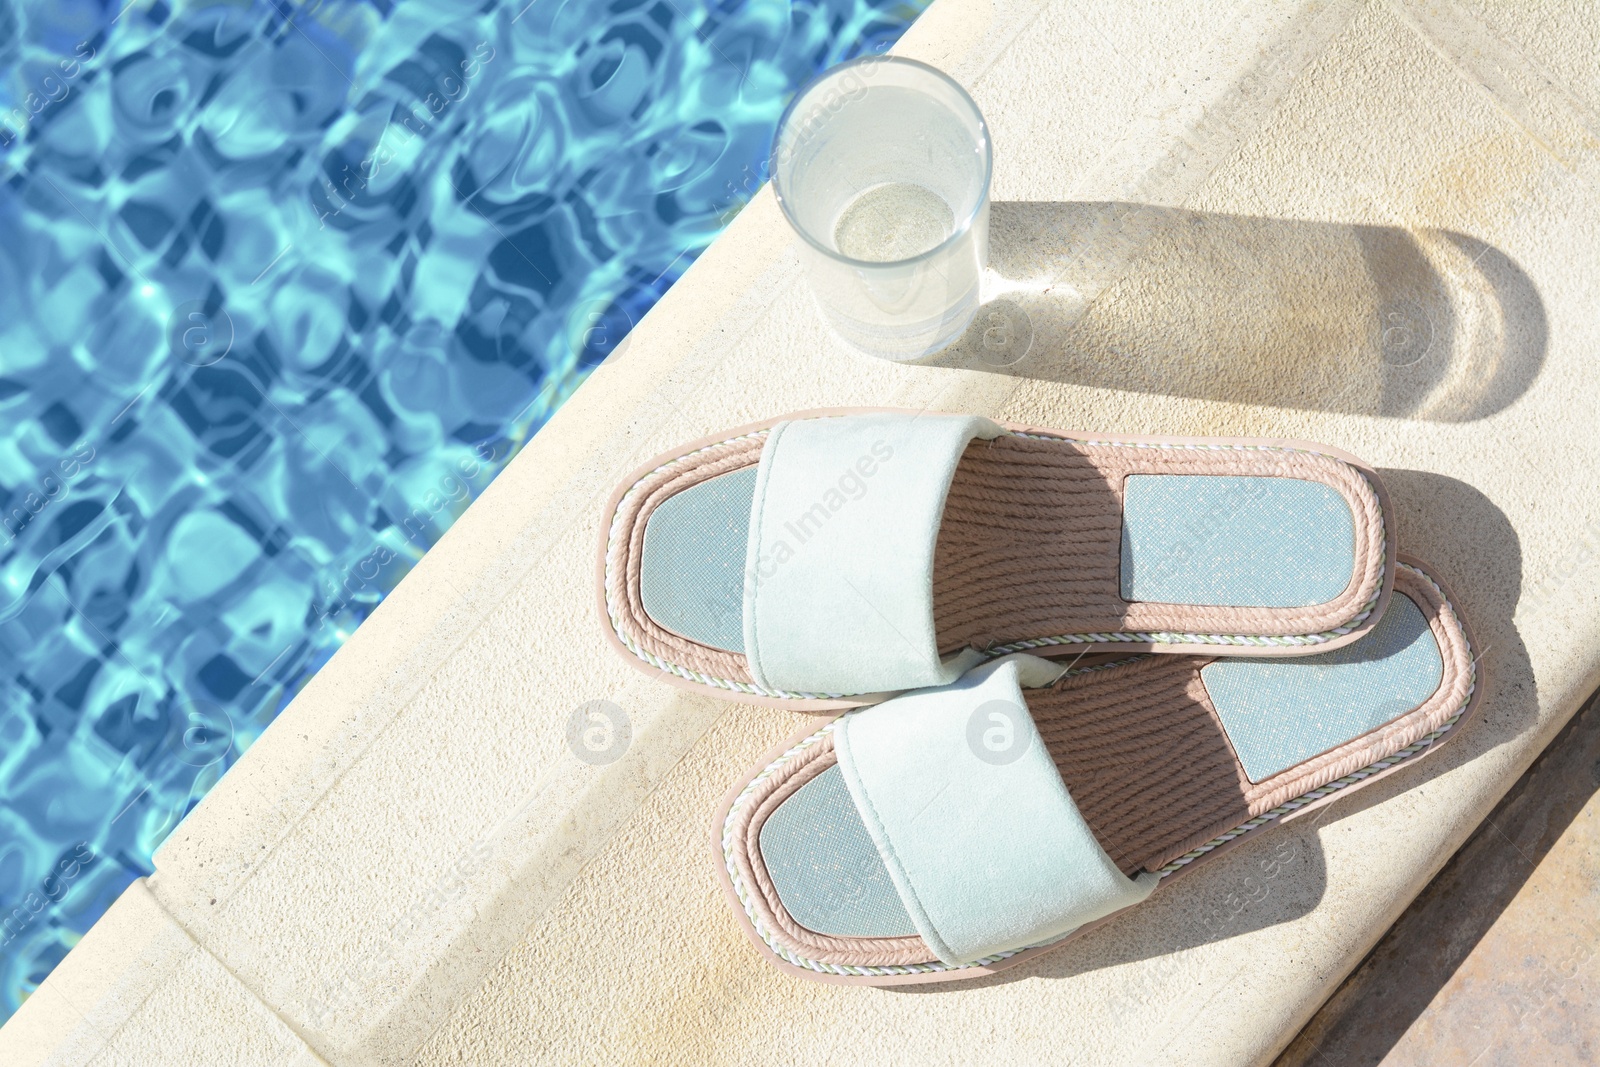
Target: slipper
(952, 832)
(828, 559)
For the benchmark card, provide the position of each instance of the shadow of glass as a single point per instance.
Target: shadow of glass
(1367, 320)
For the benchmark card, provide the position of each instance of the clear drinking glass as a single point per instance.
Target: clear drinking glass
(882, 167)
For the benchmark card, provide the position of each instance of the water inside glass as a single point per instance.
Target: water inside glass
(893, 221)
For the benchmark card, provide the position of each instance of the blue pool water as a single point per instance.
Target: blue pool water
(282, 287)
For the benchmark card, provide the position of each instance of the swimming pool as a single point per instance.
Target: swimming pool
(282, 287)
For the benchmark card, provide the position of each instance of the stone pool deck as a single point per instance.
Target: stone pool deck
(1369, 224)
(1497, 962)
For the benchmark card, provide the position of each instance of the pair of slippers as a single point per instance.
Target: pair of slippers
(1059, 669)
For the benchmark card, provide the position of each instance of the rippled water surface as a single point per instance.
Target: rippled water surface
(284, 286)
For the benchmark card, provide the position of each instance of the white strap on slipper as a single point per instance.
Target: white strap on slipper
(856, 606)
(979, 834)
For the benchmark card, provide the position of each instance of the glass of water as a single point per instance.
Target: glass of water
(882, 167)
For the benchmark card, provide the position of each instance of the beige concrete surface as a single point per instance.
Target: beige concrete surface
(1373, 225)
(1497, 962)
(140, 991)
(1527, 992)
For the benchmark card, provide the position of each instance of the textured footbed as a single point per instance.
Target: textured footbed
(826, 869)
(1032, 545)
(1152, 763)
(692, 576)
(1278, 713)
(1219, 540)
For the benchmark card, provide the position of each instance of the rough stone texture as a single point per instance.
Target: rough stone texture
(1349, 222)
(140, 991)
(1497, 962)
